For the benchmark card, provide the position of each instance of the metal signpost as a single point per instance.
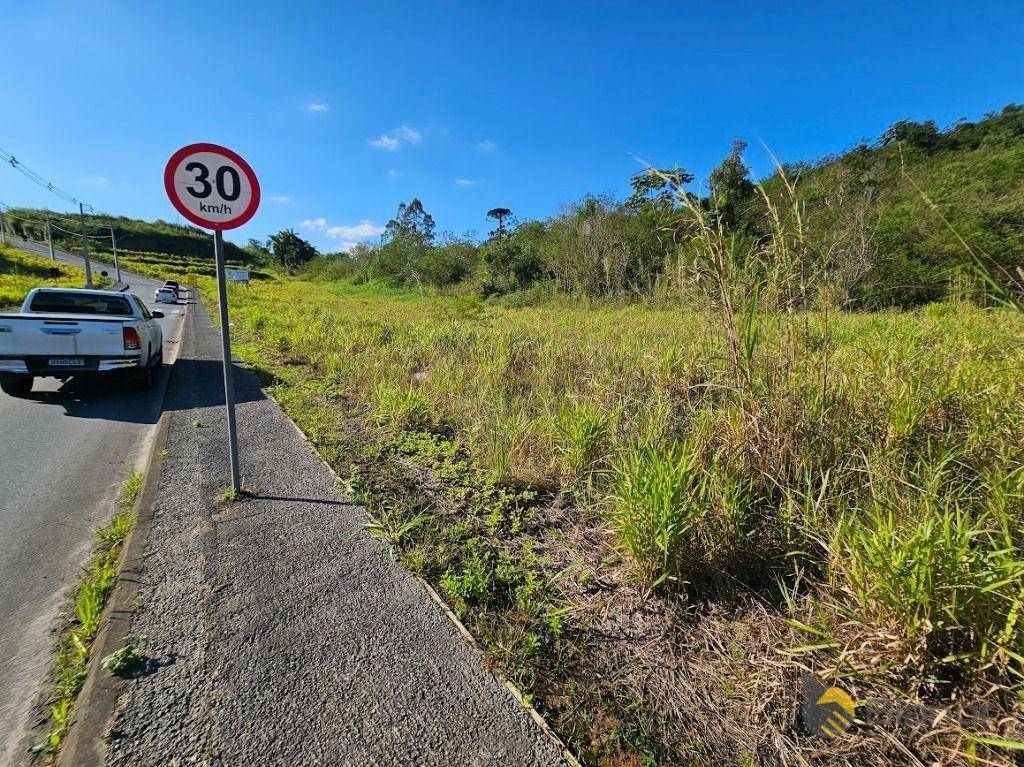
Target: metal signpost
(216, 189)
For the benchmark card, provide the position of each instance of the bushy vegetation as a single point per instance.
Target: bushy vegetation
(897, 223)
(868, 468)
(922, 209)
(647, 454)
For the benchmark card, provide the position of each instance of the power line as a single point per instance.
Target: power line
(30, 174)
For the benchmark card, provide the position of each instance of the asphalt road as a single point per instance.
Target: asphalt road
(63, 456)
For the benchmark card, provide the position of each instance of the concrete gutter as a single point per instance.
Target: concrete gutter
(85, 744)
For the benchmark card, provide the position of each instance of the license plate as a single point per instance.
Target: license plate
(66, 362)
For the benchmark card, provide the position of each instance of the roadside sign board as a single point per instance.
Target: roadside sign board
(237, 275)
(216, 189)
(212, 186)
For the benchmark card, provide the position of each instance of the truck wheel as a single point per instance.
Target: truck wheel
(16, 385)
(143, 378)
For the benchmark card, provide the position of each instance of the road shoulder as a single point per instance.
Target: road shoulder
(276, 631)
(97, 699)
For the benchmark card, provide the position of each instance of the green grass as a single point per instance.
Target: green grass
(859, 474)
(879, 454)
(91, 596)
(660, 499)
(20, 272)
(372, 291)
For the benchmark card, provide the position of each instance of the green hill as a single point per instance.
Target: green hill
(132, 234)
(920, 206)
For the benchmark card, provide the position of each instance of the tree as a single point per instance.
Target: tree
(411, 223)
(258, 250)
(405, 246)
(921, 135)
(515, 261)
(499, 214)
(732, 191)
(660, 188)
(289, 250)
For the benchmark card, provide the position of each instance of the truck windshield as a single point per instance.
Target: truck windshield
(79, 303)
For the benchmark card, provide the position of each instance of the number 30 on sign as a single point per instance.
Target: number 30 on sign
(212, 186)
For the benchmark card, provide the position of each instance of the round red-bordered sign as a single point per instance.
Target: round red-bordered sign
(212, 186)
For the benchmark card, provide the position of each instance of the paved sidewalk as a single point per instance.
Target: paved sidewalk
(280, 634)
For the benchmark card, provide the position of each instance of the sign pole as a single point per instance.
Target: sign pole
(216, 189)
(225, 345)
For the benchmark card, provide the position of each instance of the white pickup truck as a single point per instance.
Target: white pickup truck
(60, 333)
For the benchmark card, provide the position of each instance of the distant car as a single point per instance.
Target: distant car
(65, 332)
(165, 295)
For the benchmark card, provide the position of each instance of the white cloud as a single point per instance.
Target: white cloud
(281, 199)
(466, 182)
(392, 138)
(347, 236)
(319, 106)
(410, 135)
(385, 142)
(364, 230)
(485, 146)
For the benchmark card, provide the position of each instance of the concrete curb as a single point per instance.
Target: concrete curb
(85, 745)
(460, 627)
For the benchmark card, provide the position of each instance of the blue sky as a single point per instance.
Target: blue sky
(345, 109)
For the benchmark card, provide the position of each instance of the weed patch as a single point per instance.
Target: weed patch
(73, 654)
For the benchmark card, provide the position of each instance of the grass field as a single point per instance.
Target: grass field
(20, 272)
(654, 521)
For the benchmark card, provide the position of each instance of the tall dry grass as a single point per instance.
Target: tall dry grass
(748, 432)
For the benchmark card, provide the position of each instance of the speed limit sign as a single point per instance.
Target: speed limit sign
(212, 186)
(216, 189)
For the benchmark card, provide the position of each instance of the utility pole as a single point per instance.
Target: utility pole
(117, 265)
(3, 228)
(85, 247)
(225, 347)
(49, 236)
